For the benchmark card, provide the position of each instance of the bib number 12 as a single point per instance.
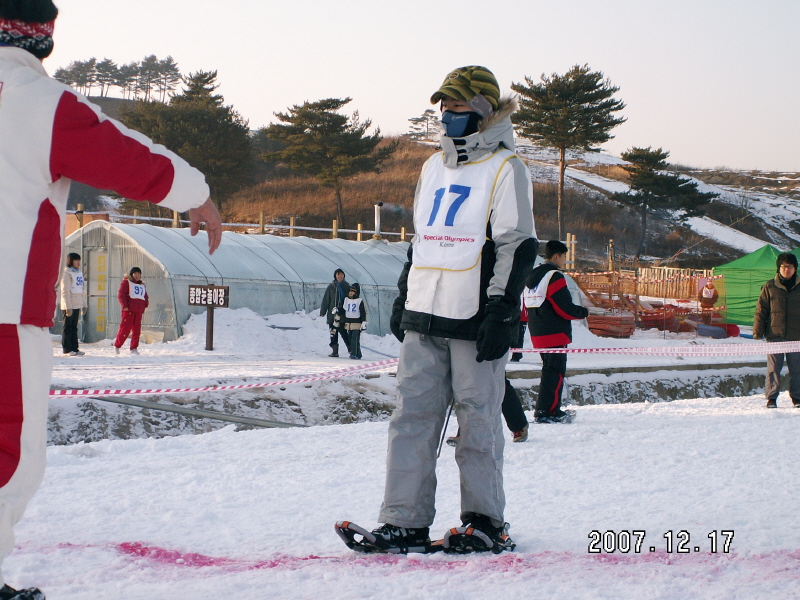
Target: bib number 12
(462, 193)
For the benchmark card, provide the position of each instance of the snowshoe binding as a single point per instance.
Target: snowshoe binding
(9, 593)
(477, 534)
(560, 416)
(387, 539)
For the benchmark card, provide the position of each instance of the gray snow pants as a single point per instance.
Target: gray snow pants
(432, 371)
(774, 366)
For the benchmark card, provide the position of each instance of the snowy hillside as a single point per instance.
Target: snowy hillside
(779, 211)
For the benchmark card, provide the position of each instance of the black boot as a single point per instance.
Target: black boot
(9, 593)
(334, 351)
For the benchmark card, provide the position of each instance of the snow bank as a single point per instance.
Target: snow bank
(249, 515)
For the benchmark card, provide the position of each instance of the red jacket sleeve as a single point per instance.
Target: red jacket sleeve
(123, 295)
(95, 152)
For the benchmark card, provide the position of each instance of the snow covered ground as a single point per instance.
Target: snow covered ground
(248, 349)
(250, 514)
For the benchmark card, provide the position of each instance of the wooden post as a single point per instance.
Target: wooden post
(79, 215)
(335, 231)
(377, 234)
(176, 219)
(402, 234)
(291, 226)
(573, 248)
(261, 223)
(210, 326)
(135, 214)
(358, 235)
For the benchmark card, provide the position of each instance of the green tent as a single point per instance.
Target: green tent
(742, 282)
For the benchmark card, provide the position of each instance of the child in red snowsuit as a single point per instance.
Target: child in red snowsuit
(132, 296)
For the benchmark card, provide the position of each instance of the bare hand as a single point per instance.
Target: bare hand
(207, 213)
(125, 308)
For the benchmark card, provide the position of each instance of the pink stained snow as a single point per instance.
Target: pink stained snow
(250, 514)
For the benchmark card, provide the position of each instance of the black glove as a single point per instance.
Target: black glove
(494, 334)
(397, 317)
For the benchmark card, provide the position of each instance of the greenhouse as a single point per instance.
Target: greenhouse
(265, 273)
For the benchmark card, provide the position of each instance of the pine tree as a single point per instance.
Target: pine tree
(574, 111)
(169, 76)
(148, 75)
(654, 189)
(105, 75)
(424, 127)
(198, 126)
(200, 88)
(127, 79)
(327, 145)
(83, 74)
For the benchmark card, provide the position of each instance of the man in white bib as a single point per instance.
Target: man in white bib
(456, 316)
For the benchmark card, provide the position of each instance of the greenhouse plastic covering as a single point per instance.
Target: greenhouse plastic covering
(266, 273)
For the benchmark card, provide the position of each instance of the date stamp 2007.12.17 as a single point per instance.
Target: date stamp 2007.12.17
(625, 541)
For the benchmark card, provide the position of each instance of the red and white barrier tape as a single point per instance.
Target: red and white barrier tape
(701, 350)
(354, 370)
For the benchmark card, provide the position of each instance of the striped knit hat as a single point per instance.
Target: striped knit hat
(466, 83)
(28, 24)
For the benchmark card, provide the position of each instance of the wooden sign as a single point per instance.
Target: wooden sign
(209, 295)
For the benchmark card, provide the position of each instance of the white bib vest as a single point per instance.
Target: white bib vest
(352, 308)
(451, 214)
(708, 293)
(535, 297)
(76, 287)
(136, 290)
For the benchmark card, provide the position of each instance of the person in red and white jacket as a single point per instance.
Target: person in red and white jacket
(550, 315)
(133, 300)
(51, 135)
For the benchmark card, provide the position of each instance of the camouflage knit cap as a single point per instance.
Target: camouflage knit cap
(467, 82)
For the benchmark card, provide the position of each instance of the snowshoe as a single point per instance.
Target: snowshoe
(386, 539)
(9, 593)
(561, 416)
(477, 534)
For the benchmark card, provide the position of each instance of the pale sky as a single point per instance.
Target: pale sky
(715, 82)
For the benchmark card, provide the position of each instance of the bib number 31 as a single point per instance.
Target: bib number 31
(461, 192)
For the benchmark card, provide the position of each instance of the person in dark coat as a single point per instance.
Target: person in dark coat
(550, 315)
(777, 319)
(332, 308)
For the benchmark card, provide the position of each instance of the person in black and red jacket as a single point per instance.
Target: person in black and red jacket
(550, 315)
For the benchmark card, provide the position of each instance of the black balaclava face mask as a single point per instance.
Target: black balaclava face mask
(460, 124)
